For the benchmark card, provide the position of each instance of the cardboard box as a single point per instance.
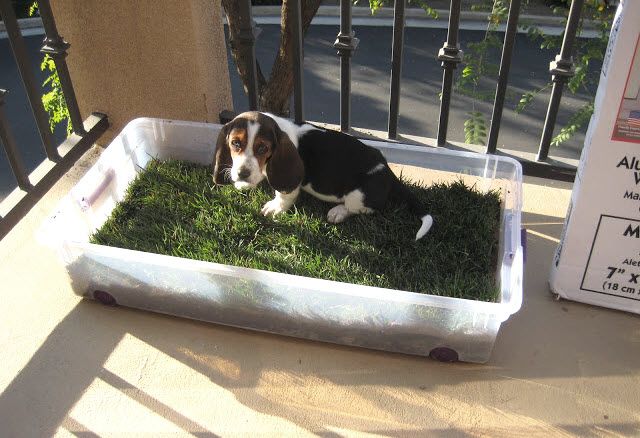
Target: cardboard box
(598, 258)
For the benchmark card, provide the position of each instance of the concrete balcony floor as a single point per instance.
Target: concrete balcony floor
(72, 367)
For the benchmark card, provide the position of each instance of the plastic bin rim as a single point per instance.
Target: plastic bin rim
(502, 309)
(142, 121)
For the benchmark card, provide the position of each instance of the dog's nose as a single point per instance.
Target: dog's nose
(243, 173)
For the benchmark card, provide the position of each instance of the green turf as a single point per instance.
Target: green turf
(174, 208)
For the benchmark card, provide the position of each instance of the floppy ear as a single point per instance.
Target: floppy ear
(222, 160)
(285, 169)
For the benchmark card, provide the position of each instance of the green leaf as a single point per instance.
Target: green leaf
(53, 99)
(426, 8)
(475, 130)
(33, 9)
(578, 79)
(528, 97)
(576, 121)
(375, 5)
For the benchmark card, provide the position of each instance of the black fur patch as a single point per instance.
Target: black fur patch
(336, 164)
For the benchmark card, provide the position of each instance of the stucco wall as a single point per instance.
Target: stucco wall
(146, 58)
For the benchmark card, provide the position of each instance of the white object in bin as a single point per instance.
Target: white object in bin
(598, 258)
(391, 320)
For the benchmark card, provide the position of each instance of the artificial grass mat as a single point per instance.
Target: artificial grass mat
(174, 208)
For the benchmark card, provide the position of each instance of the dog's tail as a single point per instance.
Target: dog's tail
(401, 193)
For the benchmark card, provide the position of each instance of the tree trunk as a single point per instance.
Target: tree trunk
(240, 50)
(275, 94)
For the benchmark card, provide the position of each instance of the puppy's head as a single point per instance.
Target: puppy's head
(251, 147)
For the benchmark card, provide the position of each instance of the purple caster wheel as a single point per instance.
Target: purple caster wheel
(105, 298)
(444, 354)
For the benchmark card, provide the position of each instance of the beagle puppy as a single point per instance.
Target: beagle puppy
(330, 165)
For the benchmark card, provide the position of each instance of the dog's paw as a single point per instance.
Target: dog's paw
(273, 207)
(338, 214)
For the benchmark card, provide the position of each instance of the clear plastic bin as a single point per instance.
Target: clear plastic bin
(342, 313)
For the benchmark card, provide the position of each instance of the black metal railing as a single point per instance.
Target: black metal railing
(396, 66)
(298, 94)
(503, 75)
(449, 56)
(561, 70)
(60, 158)
(345, 44)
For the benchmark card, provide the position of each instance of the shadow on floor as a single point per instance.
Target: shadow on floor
(281, 376)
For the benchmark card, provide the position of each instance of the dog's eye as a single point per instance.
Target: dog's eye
(261, 149)
(236, 144)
